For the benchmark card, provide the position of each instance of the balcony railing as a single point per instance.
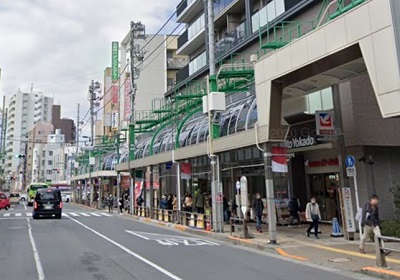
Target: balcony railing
(182, 74)
(182, 39)
(176, 63)
(230, 40)
(181, 7)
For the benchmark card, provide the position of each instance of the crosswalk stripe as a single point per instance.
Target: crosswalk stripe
(29, 214)
(95, 214)
(74, 214)
(106, 214)
(85, 214)
(64, 215)
(18, 214)
(7, 214)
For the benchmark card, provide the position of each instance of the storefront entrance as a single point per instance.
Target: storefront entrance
(325, 189)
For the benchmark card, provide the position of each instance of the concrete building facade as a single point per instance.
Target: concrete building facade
(25, 109)
(66, 125)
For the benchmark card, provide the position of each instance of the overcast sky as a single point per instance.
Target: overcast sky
(61, 45)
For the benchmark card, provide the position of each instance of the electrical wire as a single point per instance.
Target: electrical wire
(145, 66)
(159, 30)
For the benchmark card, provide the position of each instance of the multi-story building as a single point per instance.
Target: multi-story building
(36, 136)
(63, 163)
(66, 125)
(303, 57)
(43, 164)
(21, 107)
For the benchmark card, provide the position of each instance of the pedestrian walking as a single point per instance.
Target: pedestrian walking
(313, 215)
(121, 205)
(370, 221)
(294, 211)
(258, 208)
(110, 201)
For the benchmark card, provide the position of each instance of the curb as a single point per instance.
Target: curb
(381, 273)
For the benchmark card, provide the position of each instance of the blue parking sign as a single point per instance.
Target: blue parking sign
(350, 161)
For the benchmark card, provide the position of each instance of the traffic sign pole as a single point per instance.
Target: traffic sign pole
(352, 172)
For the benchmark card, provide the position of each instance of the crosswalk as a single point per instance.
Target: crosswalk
(64, 214)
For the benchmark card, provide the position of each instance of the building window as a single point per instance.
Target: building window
(49, 172)
(50, 162)
(170, 54)
(50, 153)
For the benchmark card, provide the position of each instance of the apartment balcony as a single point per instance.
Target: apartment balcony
(176, 63)
(231, 39)
(187, 10)
(191, 45)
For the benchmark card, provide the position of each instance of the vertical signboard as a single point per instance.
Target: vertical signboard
(114, 120)
(127, 99)
(244, 195)
(348, 210)
(115, 94)
(114, 61)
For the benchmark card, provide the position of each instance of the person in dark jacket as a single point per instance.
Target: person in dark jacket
(294, 210)
(369, 220)
(110, 202)
(258, 207)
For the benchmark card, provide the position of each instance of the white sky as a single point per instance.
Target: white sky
(61, 45)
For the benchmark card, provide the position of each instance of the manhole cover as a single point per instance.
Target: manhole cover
(339, 260)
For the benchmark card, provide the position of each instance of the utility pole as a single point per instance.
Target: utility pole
(94, 90)
(138, 31)
(216, 187)
(76, 155)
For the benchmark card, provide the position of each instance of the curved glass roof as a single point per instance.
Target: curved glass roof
(241, 114)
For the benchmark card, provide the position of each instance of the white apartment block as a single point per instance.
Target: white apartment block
(43, 164)
(24, 110)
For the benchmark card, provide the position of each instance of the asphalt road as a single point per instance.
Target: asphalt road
(94, 245)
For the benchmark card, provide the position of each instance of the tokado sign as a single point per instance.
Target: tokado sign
(300, 142)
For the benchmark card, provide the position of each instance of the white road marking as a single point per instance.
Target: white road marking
(25, 206)
(18, 214)
(170, 240)
(7, 214)
(85, 214)
(137, 256)
(106, 214)
(95, 214)
(74, 214)
(29, 214)
(64, 215)
(39, 267)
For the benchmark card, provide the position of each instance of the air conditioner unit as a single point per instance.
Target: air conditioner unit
(214, 102)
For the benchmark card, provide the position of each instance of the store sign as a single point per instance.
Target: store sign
(348, 210)
(324, 123)
(300, 142)
(114, 61)
(322, 163)
(351, 172)
(114, 120)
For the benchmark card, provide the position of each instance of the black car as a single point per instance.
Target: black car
(48, 203)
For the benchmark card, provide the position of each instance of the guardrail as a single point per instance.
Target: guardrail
(238, 223)
(381, 250)
(195, 220)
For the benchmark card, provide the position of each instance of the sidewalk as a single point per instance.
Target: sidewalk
(334, 252)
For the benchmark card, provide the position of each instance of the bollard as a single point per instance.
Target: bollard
(336, 228)
(380, 256)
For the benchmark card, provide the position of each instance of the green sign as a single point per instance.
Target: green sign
(114, 61)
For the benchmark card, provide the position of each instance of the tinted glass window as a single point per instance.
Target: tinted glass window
(47, 196)
(2, 196)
